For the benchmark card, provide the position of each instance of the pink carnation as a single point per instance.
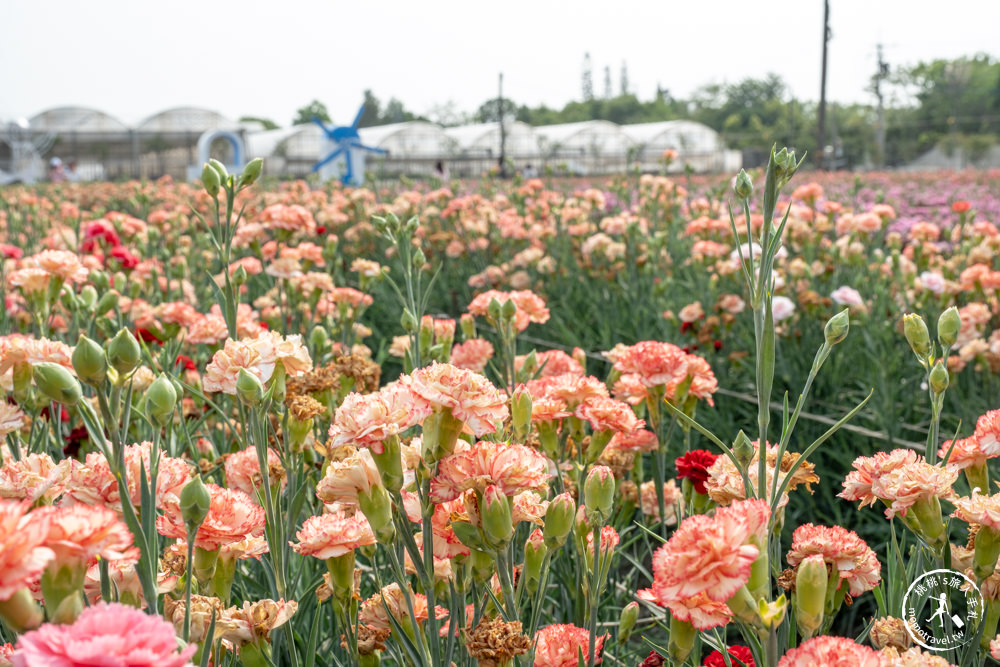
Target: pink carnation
(559, 646)
(33, 477)
(232, 516)
(965, 453)
(700, 611)
(331, 535)
(607, 414)
(551, 362)
(512, 468)
(367, 420)
(470, 396)
(472, 355)
(23, 554)
(243, 471)
(867, 470)
(105, 634)
(93, 483)
(656, 364)
(78, 533)
(830, 652)
(840, 548)
(901, 488)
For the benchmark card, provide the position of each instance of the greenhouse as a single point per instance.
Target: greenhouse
(696, 145)
(588, 147)
(479, 146)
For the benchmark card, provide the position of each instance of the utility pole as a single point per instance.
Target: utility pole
(883, 72)
(607, 82)
(821, 152)
(503, 131)
(587, 82)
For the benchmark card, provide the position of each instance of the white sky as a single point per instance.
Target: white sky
(133, 58)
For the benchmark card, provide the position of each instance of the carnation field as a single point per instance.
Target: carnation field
(501, 423)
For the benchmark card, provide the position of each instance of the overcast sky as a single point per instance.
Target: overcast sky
(133, 58)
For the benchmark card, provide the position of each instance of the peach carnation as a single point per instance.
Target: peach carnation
(830, 652)
(391, 599)
(93, 483)
(987, 433)
(530, 306)
(569, 388)
(470, 396)
(560, 645)
(331, 535)
(259, 356)
(105, 634)
(551, 362)
(649, 504)
(23, 554)
(843, 550)
(965, 453)
(124, 580)
(979, 509)
(367, 420)
(347, 477)
(656, 364)
(78, 533)
(711, 555)
(254, 621)
(18, 349)
(703, 382)
(472, 355)
(639, 440)
(700, 611)
(512, 468)
(61, 263)
(232, 516)
(243, 471)
(607, 414)
(901, 488)
(867, 470)
(33, 477)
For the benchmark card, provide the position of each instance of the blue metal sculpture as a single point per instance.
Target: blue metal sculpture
(346, 142)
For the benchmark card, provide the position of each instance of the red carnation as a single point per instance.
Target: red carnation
(654, 659)
(961, 206)
(147, 336)
(127, 259)
(11, 251)
(738, 655)
(185, 362)
(694, 466)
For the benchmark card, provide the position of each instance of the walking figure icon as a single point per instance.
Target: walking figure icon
(942, 611)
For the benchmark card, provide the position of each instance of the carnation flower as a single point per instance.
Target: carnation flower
(840, 548)
(979, 509)
(639, 440)
(694, 466)
(124, 580)
(987, 433)
(655, 363)
(569, 388)
(867, 469)
(607, 414)
(17, 349)
(512, 468)
(559, 646)
(551, 362)
(649, 504)
(469, 396)
(76, 534)
(703, 382)
(94, 484)
(965, 453)
(472, 355)
(203, 609)
(63, 264)
(232, 516)
(830, 652)
(259, 356)
(913, 657)
(393, 600)
(700, 611)
(331, 535)
(530, 306)
(33, 477)
(902, 487)
(243, 471)
(254, 620)
(354, 474)
(367, 420)
(11, 418)
(737, 655)
(23, 554)
(105, 634)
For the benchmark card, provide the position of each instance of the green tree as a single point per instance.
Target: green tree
(314, 109)
(267, 123)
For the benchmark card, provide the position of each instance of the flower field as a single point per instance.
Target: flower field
(646, 421)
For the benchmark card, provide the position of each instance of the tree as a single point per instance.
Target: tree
(267, 123)
(489, 111)
(314, 109)
(373, 110)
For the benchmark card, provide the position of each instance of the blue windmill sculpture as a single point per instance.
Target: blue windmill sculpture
(345, 142)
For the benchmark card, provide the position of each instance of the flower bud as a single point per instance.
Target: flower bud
(949, 324)
(810, 595)
(498, 523)
(520, 410)
(210, 180)
(108, 301)
(915, 330)
(419, 259)
(494, 310)
(743, 186)
(938, 378)
(161, 398)
(89, 361)
(377, 508)
(583, 525)
(220, 169)
(240, 276)
(57, 383)
(124, 353)
(408, 321)
(530, 365)
(559, 520)
(627, 620)
(743, 449)
(680, 643)
(785, 166)
(772, 613)
(318, 338)
(469, 535)
(837, 327)
(249, 388)
(88, 296)
(196, 500)
(411, 225)
(534, 559)
(426, 335)
(468, 325)
(509, 309)
(251, 172)
(599, 494)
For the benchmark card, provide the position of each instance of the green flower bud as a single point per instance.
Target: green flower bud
(251, 172)
(530, 365)
(743, 186)
(938, 378)
(785, 166)
(220, 169)
(99, 279)
(772, 613)
(681, 641)
(240, 276)
(318, 338)
(88, 296)
(498, 523)
(599, 493)
(57, 383)
(810, 595)
(559, 520)
(377, 508)
(915, 330)
(494, 310)
(89, 361)
(468, 325)
(210, 180)
(419, 259)
(509, 309)
(426, 335)
(411, 225)
(161, 398)
(469, 535)
(949, 324)
(108, 301)
(534, 558)
(124, 353)
(520, 410)
(249, 388)
(196, 501)
(743, 449)
(987, 551)
(408, 321)
(837, 327)
(627, 620)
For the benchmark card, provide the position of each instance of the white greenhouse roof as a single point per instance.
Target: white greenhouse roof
(682, 135)
(412, 139)
(597, 136)
(76, 119)
(186, 119)
(521, 139)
